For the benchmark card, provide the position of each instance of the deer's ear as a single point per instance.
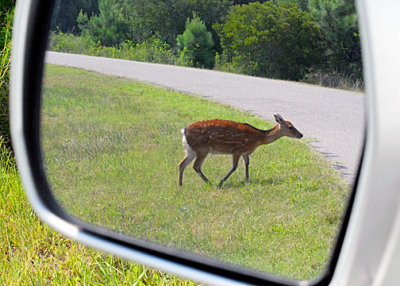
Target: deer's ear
(278, 118)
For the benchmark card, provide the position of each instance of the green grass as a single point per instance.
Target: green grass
(112, 149)
(33, 254)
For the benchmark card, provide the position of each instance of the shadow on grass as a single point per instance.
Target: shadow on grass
(261, 182)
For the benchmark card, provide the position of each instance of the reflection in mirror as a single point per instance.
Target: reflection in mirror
(112, 145)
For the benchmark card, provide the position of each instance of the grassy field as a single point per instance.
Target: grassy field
(112, 148)
(33, 254)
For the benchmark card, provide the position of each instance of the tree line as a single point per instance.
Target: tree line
(308, 40)
(283, 39)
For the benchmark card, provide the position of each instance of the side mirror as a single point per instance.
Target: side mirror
(371, 207)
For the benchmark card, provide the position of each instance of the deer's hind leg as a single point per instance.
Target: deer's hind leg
(190, 155)
(184, 163)
(197, 165)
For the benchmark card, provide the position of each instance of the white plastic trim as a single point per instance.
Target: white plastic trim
(371, 250)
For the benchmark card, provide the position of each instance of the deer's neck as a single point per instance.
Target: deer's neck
(272, 135)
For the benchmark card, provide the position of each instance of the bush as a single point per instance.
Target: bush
(335, 80)
(152, 50)
(5, 50)
(269, 40)
(223, 63)
(196, 45)
(68, 43)
(340, 37)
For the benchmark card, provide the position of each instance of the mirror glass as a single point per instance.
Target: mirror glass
(284, 78)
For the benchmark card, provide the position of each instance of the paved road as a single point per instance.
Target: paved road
(334, 118)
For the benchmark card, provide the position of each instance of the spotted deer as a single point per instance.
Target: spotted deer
(219, 136)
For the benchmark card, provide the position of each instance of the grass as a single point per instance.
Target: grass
(33, 254)
(112, 148)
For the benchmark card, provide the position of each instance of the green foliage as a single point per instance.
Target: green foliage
(152, 50)
(335, 80)
(196, 44)
(67, 12)
(340, 36)
(110, 27)
(269, 40)
(68, 43)
(287, 39)
(33, 254)
(167, 19)
(138, 20)
(5, 7)
(5, 52)
(135, 20)
(303, 4)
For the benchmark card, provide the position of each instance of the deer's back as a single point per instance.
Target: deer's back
(223, 136)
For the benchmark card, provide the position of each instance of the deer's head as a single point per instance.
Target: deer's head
(287, 128)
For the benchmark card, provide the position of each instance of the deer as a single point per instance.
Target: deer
(218, 136)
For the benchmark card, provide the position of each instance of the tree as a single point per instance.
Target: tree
(303, 4)
(118, 21)
(340, 36)
(66, 14)
(166, 19)
(196, 44)
(269, 40)
(110, 27)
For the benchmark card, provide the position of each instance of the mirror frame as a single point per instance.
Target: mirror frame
(348, 260)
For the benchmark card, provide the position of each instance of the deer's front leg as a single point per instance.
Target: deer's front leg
(246, 160)
(235, 160)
